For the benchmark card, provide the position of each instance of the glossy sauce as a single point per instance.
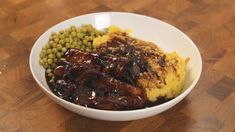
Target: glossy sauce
(103, 80)
(95, 81)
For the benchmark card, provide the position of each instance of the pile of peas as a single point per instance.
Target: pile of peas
(59, 43)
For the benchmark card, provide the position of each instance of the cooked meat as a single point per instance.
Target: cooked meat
(95, 81)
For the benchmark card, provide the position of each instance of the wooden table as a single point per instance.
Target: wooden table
(209, 23)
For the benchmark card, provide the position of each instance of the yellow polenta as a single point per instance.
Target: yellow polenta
(173, 76)
(169, 79)
(110, 30)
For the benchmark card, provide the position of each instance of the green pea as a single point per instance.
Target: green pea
(53, 33)
(86, 37)
(59, 46)
(75, 43)
(52, 80)
(54, 45)
(46, 46)
(51, 56)
(56, 40)
(49, 61)
(61, 31)
(79, 35)
(62, 59)
(49, 51)
(41, 62)
(51, 42)
(89, 44)
(64, 49)
(67, 30)
(92, 37)
(67, 45)
(82, 35)
(50, 74)
(79, 42)
(51, 38)
(44, 51)
(75, 39)
(83, 30)
(66, 34)
(62, 41)
(92, 33)
(42, 55)
(88, 50)
(77, 46)
(70, 40)
(66, 40)
(84, 41)
(73, 28)
(44, 60)
(82, 47)
(45, 65)
(53, 65)
(73, 46)
(73, 34)
(49, 71)
(54, 36)
(88, 29)
(62, 36)
(77, 30)
(54, 50)
(58, 54)
(55, 60)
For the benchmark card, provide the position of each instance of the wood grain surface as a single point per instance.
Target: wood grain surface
(209, 107)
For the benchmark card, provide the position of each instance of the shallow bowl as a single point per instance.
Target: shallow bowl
(166, 36)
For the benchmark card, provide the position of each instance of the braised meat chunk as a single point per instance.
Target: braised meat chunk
(97, 81)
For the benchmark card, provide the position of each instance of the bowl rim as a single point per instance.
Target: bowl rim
(179, 97)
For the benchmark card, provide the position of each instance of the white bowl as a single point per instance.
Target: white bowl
(146, 28)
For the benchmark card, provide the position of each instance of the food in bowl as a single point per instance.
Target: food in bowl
(110, 69)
